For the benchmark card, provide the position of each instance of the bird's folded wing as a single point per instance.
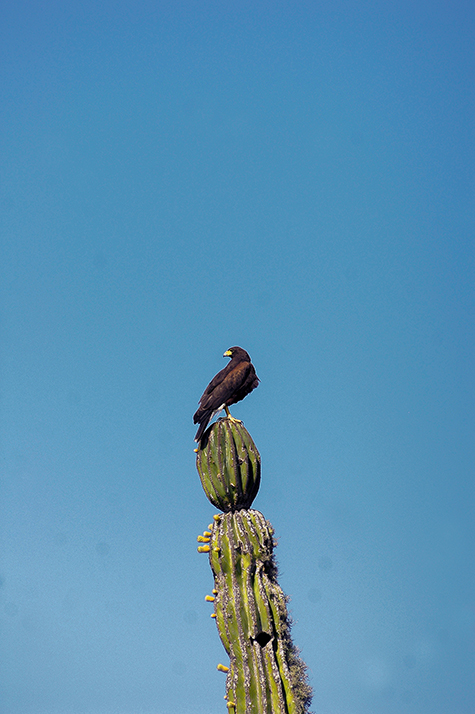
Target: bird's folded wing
(226, 387)
(214, 382)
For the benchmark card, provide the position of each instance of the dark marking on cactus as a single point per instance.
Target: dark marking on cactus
(262, 638)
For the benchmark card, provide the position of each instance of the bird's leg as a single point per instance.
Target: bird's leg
(231, 418)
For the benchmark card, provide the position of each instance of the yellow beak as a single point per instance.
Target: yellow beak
(228, 353)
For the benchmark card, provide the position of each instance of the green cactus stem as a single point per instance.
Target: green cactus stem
(229, 465)
(266, 674)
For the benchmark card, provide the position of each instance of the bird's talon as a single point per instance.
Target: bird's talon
(230, 417)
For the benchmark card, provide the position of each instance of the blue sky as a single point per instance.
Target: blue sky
(178, 178)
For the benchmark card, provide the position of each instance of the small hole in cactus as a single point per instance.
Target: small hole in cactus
(262, 638)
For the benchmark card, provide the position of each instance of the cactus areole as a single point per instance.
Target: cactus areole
(229, 465)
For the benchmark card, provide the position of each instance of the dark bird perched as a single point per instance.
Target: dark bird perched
(229, 386)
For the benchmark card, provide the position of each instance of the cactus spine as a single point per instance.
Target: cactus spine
(266, 674)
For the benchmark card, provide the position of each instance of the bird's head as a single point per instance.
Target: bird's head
(238, 352)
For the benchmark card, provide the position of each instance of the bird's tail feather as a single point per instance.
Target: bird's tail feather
(205, 420)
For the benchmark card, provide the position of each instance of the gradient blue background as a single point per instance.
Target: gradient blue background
(292, 177)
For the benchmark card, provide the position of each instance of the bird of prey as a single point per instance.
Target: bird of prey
(229, 386)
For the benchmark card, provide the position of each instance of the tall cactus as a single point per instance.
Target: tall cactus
(266, 674)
